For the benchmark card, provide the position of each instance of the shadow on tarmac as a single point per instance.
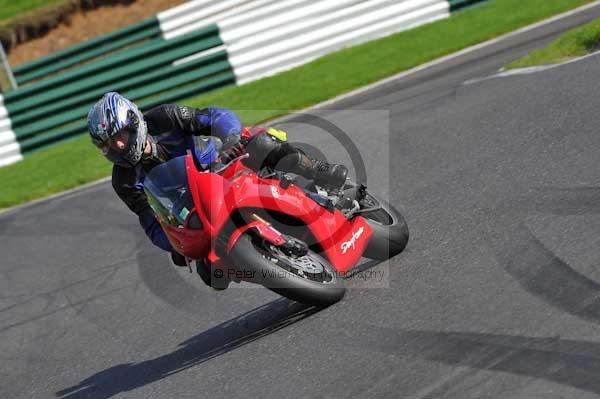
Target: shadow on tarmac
(566, 362)
(209, 344)
(537, 268)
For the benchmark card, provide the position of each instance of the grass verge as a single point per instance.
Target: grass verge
(12, 8)
(75, 162)
(575, 43)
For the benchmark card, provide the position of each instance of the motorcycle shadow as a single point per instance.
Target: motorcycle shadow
(207, 345)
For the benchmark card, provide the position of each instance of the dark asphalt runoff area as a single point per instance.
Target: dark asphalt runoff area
(496, 296)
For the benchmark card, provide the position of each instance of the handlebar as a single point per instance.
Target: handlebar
(222, 168)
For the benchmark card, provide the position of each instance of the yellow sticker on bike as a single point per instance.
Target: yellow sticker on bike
(280, 134)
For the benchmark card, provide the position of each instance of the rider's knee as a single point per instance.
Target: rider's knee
(267, 150)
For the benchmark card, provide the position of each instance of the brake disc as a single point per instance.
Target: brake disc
(304, 264)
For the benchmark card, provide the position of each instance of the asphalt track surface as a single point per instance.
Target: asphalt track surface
(496, 296)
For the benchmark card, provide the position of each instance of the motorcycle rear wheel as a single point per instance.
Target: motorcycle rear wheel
(390, 231)
(309, 279)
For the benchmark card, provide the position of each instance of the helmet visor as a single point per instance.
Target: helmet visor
(117, 147)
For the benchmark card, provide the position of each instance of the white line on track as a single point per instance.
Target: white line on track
(528, 70)
(72, 191)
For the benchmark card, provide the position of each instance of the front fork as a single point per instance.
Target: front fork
(262, 228)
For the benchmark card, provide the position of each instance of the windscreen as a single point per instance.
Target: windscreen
(168, 192)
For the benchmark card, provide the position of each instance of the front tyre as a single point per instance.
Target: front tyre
(309, 279)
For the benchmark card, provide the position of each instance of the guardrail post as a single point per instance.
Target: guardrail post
(7, 79)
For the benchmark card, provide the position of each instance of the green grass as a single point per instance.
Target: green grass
(75, 162)
(70, 164)
(13, 8)
(575, 43)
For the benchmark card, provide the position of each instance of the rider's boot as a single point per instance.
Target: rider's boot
(329, 174)
(178, 259)
(270, 151)
(203, 271)
(206, 274)
(322, 173)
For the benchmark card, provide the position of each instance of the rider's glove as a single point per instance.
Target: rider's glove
(232, 152)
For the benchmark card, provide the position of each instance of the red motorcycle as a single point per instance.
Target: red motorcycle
(271, 228)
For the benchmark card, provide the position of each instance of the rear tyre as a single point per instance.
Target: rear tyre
(308, 279)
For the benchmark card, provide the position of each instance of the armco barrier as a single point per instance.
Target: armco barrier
(333, 25)
(87, 51)
(50, 137)
(54, 109)
(189, 49)
(10, 150)
(456, 5)
(265, 37)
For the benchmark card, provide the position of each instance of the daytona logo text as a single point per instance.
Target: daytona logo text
(350, 243)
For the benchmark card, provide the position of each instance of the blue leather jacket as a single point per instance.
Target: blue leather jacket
(172, 129)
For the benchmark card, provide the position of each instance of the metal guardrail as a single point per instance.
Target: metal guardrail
(283, 38)
(87, 51)
(456, 5)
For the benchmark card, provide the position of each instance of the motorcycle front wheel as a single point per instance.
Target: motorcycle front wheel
(309, 279)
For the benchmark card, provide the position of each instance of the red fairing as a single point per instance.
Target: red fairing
(216, 197)
(193, 244)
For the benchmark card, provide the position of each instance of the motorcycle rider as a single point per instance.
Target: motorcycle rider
(136, 142)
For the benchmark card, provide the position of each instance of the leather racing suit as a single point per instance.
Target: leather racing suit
(171, 131)
(174, 129)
